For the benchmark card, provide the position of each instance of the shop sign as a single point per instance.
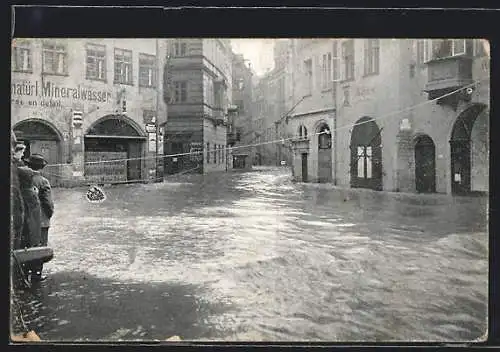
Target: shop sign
(47, 94)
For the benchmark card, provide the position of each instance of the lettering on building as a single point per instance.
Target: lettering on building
(48, 94)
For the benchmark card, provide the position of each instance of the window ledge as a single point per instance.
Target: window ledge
(124, 83)
(146, 86)
(55, 74)
(103, 80)
(348, 80)
(22, 71)
(371, 74)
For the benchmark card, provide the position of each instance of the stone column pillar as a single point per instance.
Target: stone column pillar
(405, 168)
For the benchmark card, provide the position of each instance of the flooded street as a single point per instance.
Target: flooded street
(253, 256)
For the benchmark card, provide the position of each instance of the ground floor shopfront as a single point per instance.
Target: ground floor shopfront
(434, 150)
(195, 144)
(113, 149)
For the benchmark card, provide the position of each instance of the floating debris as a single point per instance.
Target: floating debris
(95, 195)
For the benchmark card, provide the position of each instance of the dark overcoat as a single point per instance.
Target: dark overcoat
(17, 207)
(32, 211)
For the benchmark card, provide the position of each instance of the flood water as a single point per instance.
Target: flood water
(255, 257)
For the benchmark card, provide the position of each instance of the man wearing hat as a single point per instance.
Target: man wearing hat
(18, 153)
(37, 162)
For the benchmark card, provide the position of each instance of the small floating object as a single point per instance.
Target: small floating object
(174, 338)
(95, 195)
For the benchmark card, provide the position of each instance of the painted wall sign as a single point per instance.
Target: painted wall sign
(49, 95)
(53, 91)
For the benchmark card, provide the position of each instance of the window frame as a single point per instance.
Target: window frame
(97, 48)
(123, 64)
(148, 62)
(24, 47)
(432, 56)
(348, 58)
(180, 87)
(371, 57)
(308, 72)
(180, 48)
(58, 50)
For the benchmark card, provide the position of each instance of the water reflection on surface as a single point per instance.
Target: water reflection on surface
(253, 256)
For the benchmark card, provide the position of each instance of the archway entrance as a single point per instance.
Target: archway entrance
(366, 155)
(41, 138)
(324, 154)
(469, 151)
(425, 165)
(113, 150)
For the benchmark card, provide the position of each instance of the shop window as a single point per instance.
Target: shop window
(21, 56)
(55, 59)
(147, 70)
(123, 66)
(96, 62)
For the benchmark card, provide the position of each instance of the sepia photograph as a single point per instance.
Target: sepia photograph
(249, 189)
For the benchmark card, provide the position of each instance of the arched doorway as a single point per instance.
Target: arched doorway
(366, 155)
(462, 152)
(324, 153)
(41, 137)
(425, 164)
(113, 150)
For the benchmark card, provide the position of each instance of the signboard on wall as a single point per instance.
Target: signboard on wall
(152, 142)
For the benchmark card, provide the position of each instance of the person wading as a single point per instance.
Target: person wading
(36, 162)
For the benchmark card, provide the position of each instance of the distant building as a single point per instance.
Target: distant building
(240, 133)
(386, 128)
(199, 82)
(270, 105)
(84, 102)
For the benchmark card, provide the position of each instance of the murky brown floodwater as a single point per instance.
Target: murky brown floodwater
(252, 256)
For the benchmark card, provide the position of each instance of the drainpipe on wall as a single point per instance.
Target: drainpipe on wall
(335, 134)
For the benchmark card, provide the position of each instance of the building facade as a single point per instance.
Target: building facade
(92, 107)
(406, 115)
(270, 106)
(312, 101)
(199, 82)
(240, 134)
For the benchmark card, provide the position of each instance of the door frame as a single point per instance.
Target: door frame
(420, 142)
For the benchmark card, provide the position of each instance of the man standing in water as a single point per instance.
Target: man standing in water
(36, 162)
